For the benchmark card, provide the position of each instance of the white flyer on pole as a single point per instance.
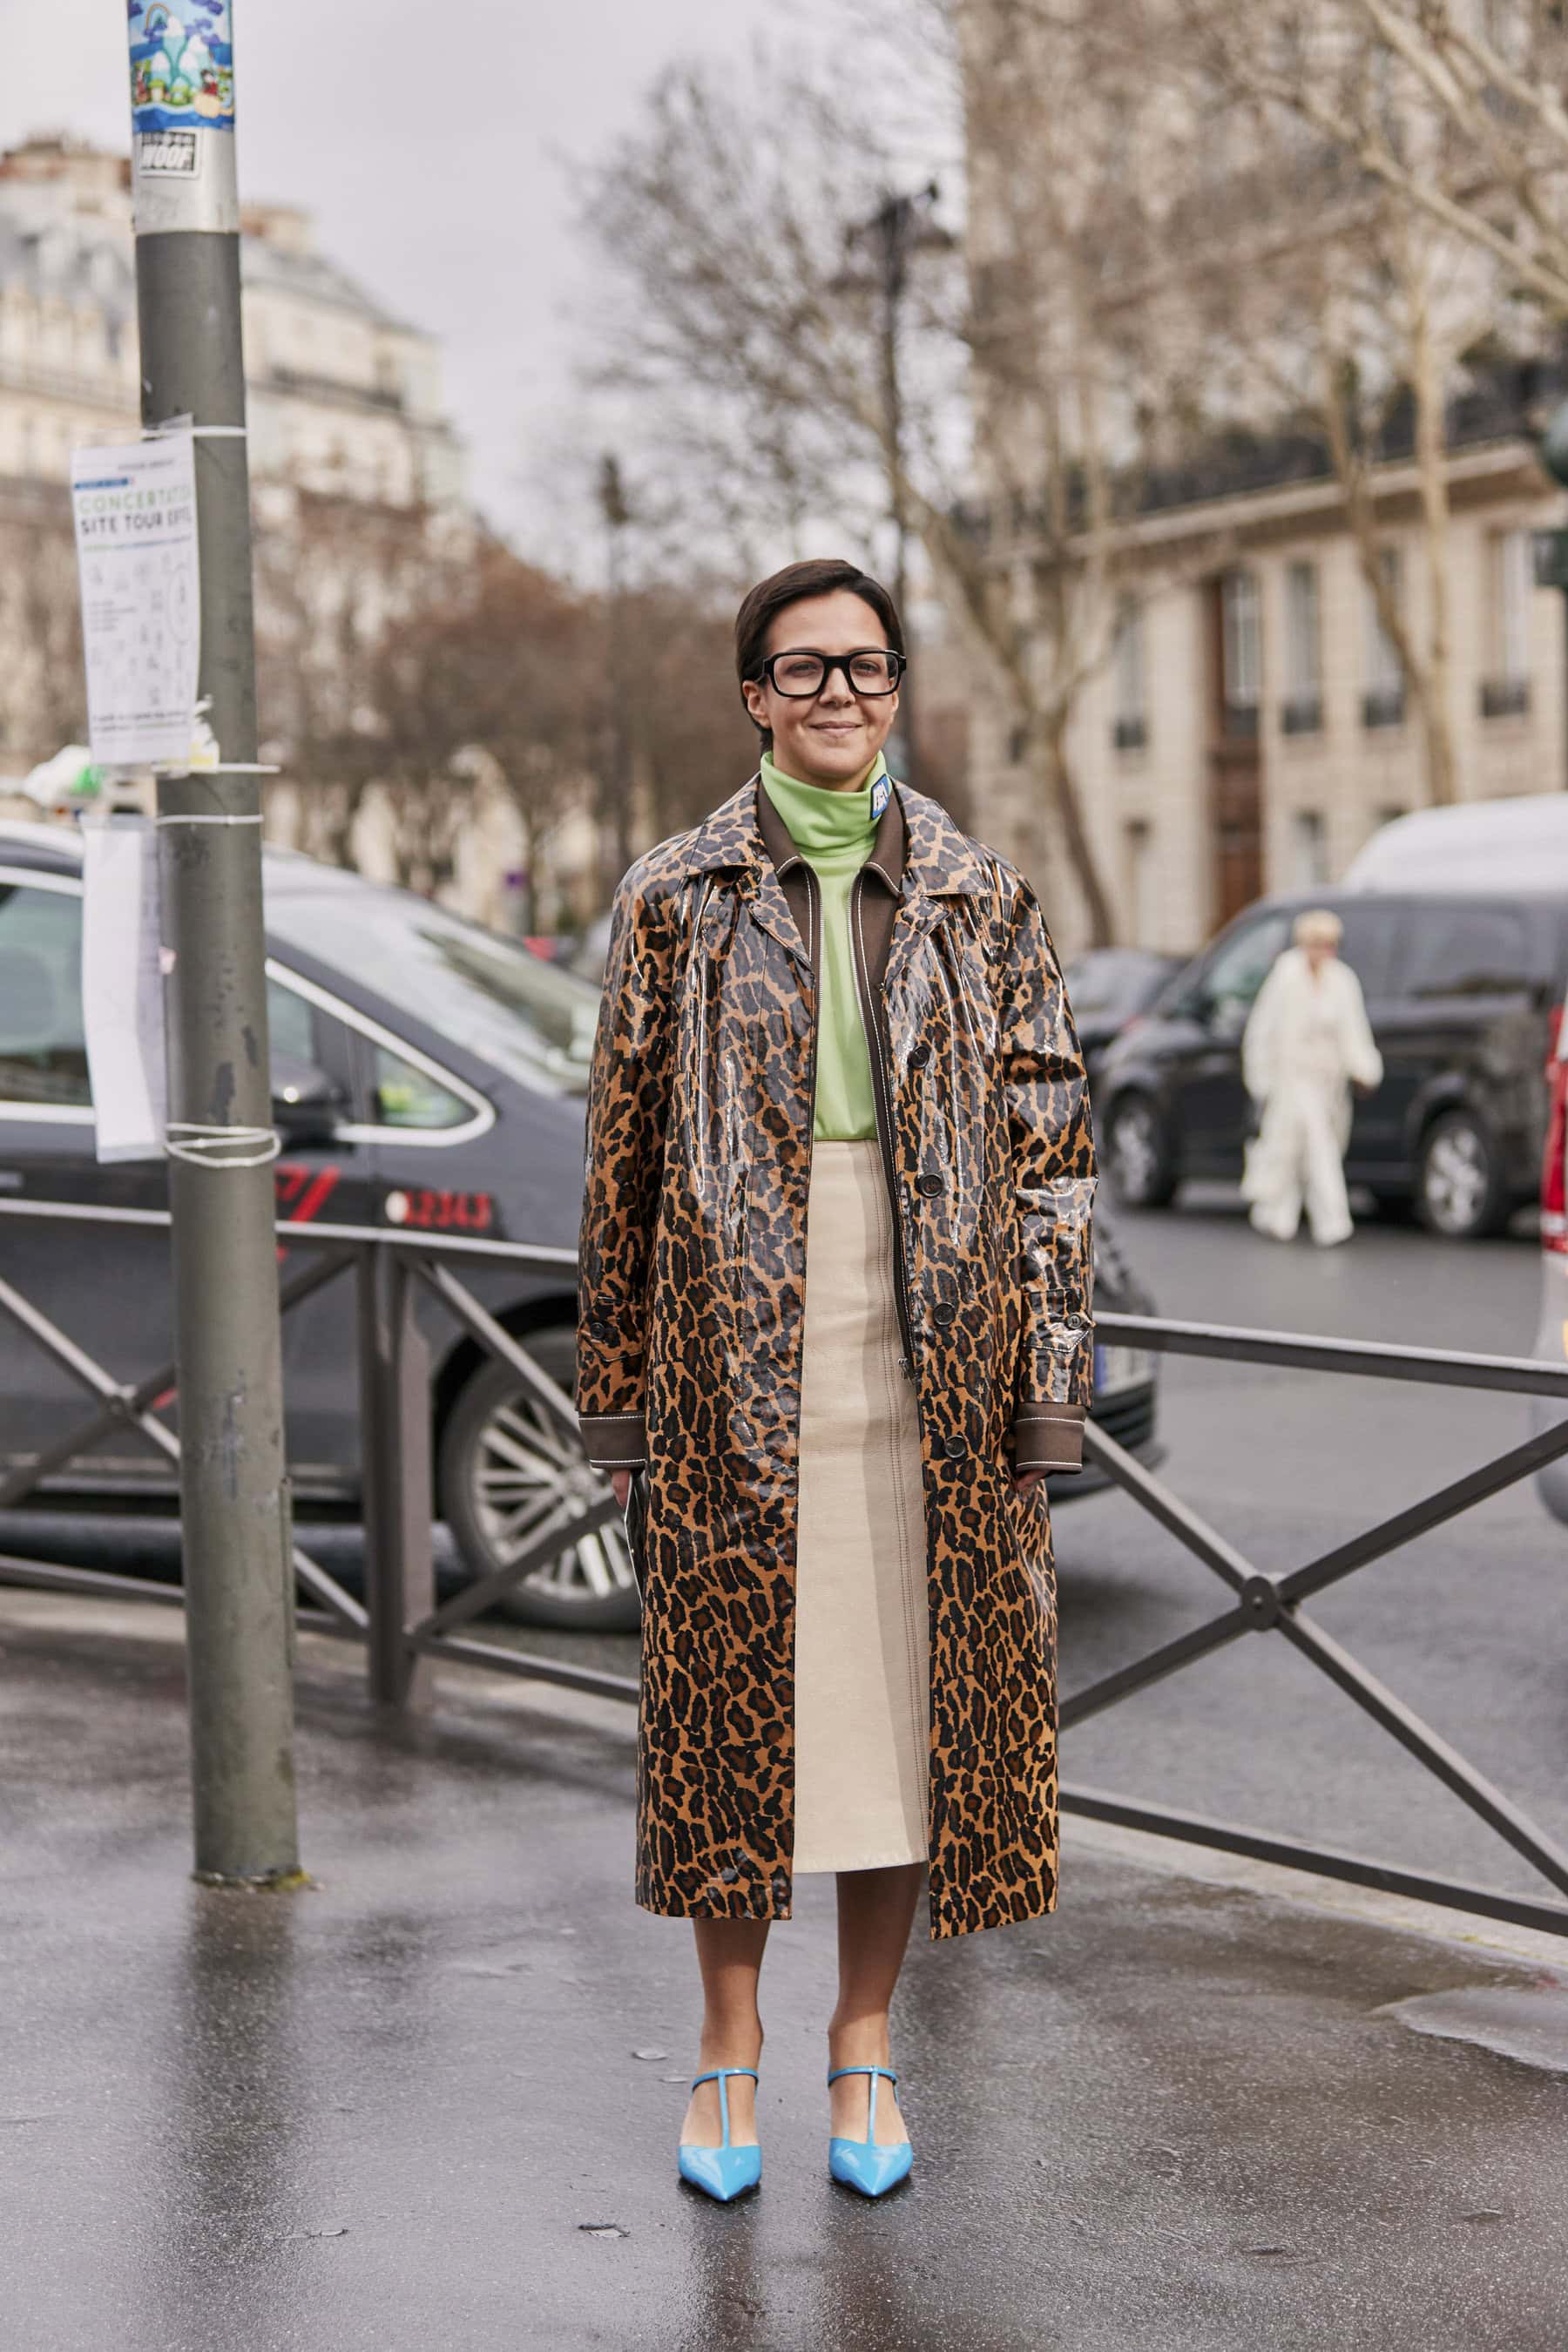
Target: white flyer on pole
(122, 988)
(135, 512)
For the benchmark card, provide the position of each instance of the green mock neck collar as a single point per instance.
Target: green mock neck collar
(820, 821)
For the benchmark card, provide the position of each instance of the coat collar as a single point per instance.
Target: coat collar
(919, 850)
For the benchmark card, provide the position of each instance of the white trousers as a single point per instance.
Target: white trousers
(1298, 1161)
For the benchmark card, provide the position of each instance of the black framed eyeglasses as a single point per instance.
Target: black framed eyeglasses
(800, 671)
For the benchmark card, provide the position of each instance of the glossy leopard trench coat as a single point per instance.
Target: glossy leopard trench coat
(691, 1335)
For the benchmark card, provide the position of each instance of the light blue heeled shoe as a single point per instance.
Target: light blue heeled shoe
(721, 2172)
(860, 2163)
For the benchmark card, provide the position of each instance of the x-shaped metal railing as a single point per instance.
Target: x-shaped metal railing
(399, 1620)
(404, 1627)
(1264, 1603)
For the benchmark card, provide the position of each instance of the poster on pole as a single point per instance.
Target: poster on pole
(135, 510)
(182, 69)
(122, 988)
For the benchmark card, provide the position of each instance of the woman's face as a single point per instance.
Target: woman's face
(833, 739)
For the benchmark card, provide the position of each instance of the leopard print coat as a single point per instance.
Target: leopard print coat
(690, 1331)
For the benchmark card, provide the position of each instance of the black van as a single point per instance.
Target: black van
(1461, 989)
(436, 1074)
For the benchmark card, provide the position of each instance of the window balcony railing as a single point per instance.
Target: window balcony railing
(1382, 706)
(1301, 714)
(1130, 734)
(1238, 722)
(1505, 698)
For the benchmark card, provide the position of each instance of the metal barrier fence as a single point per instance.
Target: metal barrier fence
(399, 1620)
(405, 1628)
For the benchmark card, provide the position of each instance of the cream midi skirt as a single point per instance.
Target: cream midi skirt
(862, 1682)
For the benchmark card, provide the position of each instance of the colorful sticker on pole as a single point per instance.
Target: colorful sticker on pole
(182, 65)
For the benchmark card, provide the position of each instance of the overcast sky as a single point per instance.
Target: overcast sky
(430, 141)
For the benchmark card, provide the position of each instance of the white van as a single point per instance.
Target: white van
(1519, 845)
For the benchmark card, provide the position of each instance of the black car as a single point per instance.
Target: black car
(434, 1078)
(1106, 987)
(1461, 989)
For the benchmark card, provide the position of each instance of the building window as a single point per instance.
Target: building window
(1241, 654)
(1301, 712)
(1309, 850)
(1510, 580)
(1382, 703)
(1131, 728)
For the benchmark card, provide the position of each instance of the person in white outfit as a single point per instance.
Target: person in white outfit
(1307, 1043)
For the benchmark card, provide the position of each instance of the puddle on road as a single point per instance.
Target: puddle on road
(1526, 2023)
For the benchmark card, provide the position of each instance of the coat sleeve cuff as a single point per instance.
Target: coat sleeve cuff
(1048, 1437)
(614, 1440)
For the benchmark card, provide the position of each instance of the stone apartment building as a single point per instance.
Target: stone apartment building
(355, 468)
(1154, 268)
(344, 399)
(1251, 728)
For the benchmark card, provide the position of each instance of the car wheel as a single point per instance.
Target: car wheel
(1138, 1155)
(1458, 1183)
(504, 1464)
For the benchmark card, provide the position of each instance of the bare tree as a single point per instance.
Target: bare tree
(1489, 83)
(749, 330)
(691, 737)
(1342, 304)
(46, 688)
(333, 575)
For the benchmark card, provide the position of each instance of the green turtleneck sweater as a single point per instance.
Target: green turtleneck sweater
(833, 833)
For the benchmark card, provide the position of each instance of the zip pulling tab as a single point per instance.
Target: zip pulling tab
(906, 1367)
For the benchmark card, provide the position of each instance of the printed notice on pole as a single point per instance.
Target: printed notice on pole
(140, 606)
(122, 988)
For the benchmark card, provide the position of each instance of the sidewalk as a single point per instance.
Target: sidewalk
(431, 2103)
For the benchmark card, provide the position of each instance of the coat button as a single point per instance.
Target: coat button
(944, 1313)
(920, 1055)
(931, 1185)
(954, 1448)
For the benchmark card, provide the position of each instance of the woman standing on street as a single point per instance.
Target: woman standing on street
(1307, 1043)
(828, 1013)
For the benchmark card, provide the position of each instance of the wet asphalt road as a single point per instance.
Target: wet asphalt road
(407, 2109)
(430, 2106)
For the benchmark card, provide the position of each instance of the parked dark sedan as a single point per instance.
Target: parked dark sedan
(1462, 990)
(435, 1073)
(1107, 987)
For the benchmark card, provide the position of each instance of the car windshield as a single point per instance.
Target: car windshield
(486, 992)
(1112, 980)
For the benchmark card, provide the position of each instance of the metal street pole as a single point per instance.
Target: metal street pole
(616, 815)
(234, 1494)
(893, 226)
(901, 225)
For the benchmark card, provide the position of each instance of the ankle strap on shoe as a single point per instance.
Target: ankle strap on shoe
(878, 2074)
(721, 2074)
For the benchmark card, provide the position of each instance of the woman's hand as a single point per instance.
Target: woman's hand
(621, 1480)
(1027, 1481)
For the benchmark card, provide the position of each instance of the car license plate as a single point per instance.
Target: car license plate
(1121, 1368)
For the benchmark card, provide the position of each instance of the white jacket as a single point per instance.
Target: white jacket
(1308, 1029)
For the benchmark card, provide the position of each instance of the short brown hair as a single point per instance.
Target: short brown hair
(821, 575)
